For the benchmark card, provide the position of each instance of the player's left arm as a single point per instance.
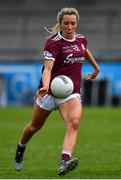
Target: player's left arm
(93, 62)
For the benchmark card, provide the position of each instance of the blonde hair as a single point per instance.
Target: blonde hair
(61, 13)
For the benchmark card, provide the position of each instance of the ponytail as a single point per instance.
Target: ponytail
(53, 30)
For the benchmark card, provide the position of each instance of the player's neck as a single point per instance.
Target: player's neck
(66, 39)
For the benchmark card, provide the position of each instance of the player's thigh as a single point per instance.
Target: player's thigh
(39, 116)
(71, 109)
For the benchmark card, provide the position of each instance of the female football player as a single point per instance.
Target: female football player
(64, 53)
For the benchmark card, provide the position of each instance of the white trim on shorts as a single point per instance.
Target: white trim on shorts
(49, 102)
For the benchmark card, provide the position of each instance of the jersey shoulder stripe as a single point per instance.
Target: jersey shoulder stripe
(80, 36)
(56, 38)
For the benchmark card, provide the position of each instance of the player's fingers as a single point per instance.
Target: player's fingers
(91, 76)
(88, 77)
(42, 91)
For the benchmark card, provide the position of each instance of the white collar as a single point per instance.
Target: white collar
(69, 40)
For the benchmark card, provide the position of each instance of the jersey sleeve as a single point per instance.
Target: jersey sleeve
(84, 41)
(51, 50)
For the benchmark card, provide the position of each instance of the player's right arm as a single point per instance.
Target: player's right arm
(46, 76)
(50, 51)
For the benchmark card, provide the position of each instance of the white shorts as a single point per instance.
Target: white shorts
(49, 102)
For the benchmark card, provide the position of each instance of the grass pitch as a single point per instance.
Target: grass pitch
(98, 146)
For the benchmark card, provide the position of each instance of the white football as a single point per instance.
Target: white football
(62, 86)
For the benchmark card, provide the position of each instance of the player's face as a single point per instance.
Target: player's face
(68, 26)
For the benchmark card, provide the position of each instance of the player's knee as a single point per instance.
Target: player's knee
(33, 129)
(74, 123)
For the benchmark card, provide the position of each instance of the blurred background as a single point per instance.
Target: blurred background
(22, 38)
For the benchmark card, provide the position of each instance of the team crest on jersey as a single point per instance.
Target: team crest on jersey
(71, 48)
(75, 47)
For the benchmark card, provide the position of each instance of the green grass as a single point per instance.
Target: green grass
(98, 146)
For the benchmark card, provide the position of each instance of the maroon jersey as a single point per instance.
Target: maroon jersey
(68, 56)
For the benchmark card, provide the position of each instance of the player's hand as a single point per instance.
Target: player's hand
(92, 75)
(42, 92)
